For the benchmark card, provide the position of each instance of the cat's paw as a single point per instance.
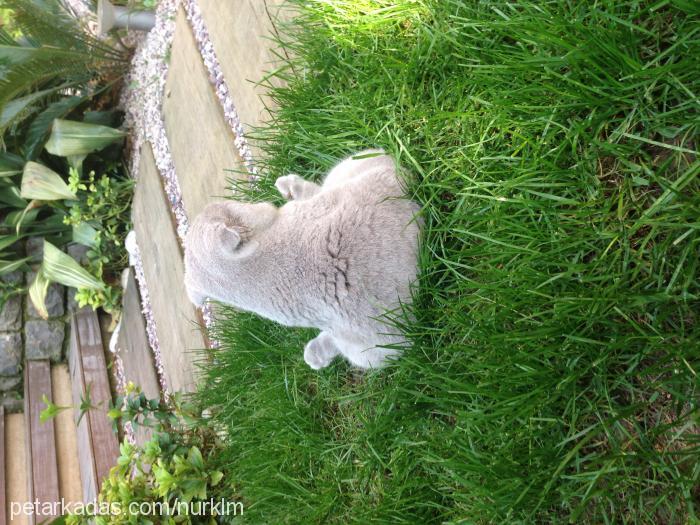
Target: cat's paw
(289, 186)
(319, 352)
(293, 187)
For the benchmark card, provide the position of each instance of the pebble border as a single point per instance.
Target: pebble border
(143, 104)
(216, 79)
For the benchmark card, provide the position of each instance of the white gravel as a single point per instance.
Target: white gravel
(142, 102)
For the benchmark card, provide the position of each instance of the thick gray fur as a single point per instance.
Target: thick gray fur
(335, 257)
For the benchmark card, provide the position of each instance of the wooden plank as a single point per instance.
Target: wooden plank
(201, 142)
(15, 466)
(175, 317)
(240, 33)
(134, 350)
(3, 475)
(91, 374)
(42, 465)
(69, 482)
(86, 463)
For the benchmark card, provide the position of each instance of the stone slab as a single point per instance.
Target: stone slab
(175, 317)
(241, 34)
(53, 300)
(44, 339)
(132, 343)
(11, 314)
(134, 350)
(10, 353)
(9, 383)
(201, 143)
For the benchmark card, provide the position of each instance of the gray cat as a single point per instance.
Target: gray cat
(335, 257)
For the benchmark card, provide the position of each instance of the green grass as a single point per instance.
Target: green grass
(556, 339)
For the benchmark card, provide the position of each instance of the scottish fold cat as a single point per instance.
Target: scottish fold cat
(334, 257)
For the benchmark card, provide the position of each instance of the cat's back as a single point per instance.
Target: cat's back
(367, 233)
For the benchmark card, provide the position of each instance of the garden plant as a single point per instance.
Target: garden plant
(57, 94)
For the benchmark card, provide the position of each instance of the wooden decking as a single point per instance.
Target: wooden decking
(42, 463)
(98, 446)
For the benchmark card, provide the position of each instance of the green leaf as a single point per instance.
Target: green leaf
(18, 109)
(8, 240)
(63, 269)
(215, 477)
(70, 138)
(10, 164)
(194, 457)
(32, 206)
(84, 234)
(40, 127)
(37, 293)
(10, 266)
(10, 195)
(42, 183)
(20, 217)
(51, 410)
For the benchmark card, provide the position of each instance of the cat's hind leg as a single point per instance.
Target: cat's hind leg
(293, 187)
(320, 351)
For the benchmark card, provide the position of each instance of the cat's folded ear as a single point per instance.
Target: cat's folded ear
(228, 237)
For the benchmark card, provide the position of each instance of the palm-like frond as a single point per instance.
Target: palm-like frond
(55, 53)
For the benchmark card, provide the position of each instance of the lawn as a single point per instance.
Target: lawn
(555, 334)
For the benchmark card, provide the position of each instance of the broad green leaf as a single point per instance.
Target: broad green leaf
(104, 118)
(42, 183)
(23, 217)
(10, 195)
(10, 164)
(76, 161)
(39, 129)
(69, 138)
(37, 293)
(84, 234)
(63, 269)
(10, 266)
(8, 240)
(33, 205)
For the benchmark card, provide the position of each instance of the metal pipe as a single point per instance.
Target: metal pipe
(110, 16)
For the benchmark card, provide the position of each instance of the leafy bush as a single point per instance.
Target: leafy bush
(85, 209)
(51, 64)
(177, 469)
(53, 67)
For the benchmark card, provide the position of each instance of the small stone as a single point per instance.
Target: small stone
(11, 314)
(12, 402)
(78, 252)
(53, 301)
(71, 303)
(13, 277)
(44, 339)
(10, 353)
(9, 383)
(35, 249)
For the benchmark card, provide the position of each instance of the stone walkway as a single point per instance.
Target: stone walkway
(205, 152)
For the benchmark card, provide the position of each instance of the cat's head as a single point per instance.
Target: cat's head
(220, 236)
